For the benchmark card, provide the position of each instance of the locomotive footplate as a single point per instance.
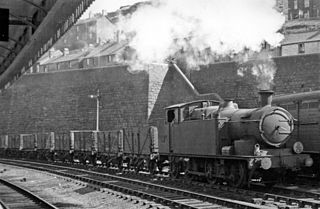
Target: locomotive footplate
(292, 162)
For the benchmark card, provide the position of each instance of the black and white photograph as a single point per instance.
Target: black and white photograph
(159, 104)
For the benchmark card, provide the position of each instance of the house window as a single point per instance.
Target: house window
(306, 3)
(301, 48)
(77, 28)
(90, 35)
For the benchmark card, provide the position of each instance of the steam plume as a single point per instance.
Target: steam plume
(166, 27)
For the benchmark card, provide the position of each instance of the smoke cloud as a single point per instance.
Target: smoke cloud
(165, 27)
(199, 32)
(262, 68)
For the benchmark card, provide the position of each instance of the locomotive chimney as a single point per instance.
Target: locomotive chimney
(228, 103)
(265, 97)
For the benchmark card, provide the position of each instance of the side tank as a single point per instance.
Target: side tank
(267, 124)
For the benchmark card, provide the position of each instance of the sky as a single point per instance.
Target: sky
(109, 5)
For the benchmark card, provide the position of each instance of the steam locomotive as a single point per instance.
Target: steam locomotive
(221, 142)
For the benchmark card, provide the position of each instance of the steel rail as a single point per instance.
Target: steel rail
(162, 194)
(30, 195)
(296, 196)
(3, 205)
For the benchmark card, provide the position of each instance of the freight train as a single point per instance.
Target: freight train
(109, 148)
(207, 139)
(305, 107)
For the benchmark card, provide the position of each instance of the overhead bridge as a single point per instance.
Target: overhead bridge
(34, 26)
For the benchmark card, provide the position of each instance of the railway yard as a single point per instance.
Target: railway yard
(203, 109)
(79, 186)
(62, 192)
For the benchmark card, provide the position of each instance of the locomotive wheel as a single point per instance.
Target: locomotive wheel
(212, 171)
(237, 175)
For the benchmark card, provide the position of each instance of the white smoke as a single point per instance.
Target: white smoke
(165, 27)
(263, 68)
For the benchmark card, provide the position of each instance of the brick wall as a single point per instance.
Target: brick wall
(297, 73)
(294, 74)
(223, 79)
(59, 101)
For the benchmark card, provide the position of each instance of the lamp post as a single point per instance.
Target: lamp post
(97, 97)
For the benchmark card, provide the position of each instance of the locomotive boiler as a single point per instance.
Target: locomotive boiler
(264, 127)
(220, 142)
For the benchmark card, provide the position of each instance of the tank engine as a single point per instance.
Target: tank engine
(224, 143)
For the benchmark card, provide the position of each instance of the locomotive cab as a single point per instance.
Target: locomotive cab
(191, 111)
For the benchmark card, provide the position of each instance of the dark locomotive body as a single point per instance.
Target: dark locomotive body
(222, 142)
(305, 108)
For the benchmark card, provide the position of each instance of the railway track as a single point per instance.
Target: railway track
(161, 194)
(181, 193)
(277, 196)
(13, 196)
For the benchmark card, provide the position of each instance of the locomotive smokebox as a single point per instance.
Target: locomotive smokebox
(266, 97)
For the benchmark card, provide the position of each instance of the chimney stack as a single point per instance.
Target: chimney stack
(51, 51)
(266, 97)
(65, 51)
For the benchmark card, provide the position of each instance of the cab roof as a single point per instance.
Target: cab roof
(188, 103)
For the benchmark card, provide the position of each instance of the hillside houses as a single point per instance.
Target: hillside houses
(100, 55)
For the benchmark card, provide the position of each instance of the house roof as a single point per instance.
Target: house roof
(45, 58)
(294, 38)
(107, 49)
(94, 52)
(298, 23)
(73, 55)
(113, 48)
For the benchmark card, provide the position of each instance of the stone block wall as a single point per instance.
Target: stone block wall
(223, 79)
(60, 101)
(298, 73)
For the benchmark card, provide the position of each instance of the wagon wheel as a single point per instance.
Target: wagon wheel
(211, 174)
(237, 175)
(139, 165)
(175, 170)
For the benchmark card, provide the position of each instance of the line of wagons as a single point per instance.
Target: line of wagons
(134, 148)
